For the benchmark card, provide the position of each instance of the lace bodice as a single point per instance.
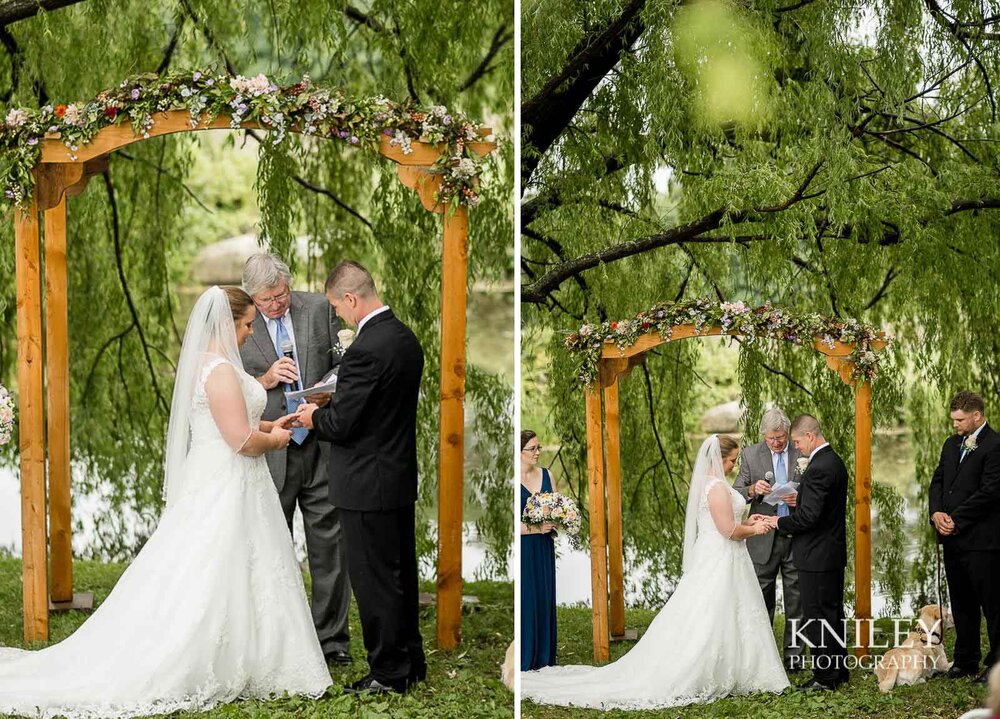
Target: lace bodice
(203, 427)
(706, 525)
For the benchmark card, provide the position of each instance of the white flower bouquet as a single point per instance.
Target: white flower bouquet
(556, 508)
(6, 415)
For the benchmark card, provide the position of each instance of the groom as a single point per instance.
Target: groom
(964, 501)
(372, 425)
(819, 544)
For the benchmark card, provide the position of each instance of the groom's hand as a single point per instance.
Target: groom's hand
(304, 417)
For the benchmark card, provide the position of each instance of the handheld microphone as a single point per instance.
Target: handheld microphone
(288, 350)
(769, 477)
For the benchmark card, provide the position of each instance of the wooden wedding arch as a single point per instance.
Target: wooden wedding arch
(604, 476)
(43, 368)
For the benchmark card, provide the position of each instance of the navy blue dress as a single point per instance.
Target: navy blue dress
(538, 593)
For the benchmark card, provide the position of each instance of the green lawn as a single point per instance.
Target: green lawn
(940, 698)
(462, 683)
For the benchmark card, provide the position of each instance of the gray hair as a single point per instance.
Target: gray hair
(264, 271)
(774, 419)
(806, 423)
(350, 277)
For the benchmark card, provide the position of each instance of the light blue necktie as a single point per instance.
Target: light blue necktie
(782, 478)
(299, 434)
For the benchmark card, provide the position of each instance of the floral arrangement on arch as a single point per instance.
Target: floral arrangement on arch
(304, 106)
(735, 318)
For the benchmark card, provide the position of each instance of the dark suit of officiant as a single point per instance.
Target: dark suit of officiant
(299, 472)
(819, 543)
(772, 552)
(968, 489)
(372, 426)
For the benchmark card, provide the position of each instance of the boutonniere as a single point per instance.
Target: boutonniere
(345, 338)
(969, 445)
(800, 464)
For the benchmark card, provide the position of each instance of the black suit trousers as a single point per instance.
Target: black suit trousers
(974, 585)
(823, 603)
(382, 561)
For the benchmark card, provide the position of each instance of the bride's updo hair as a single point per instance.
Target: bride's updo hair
(727, 444)
(239, 301)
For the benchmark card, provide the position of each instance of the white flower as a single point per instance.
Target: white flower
(801, 463)
(346, 338)
(255, 86)
(465, 167)
(73, 115)
(16, 117)
(970, 444)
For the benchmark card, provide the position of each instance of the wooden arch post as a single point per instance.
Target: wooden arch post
(64, 173)
(604, 473)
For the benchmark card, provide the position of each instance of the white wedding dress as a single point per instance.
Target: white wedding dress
(211, 610)
(712, 639)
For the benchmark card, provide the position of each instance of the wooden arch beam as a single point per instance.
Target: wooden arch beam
(604, 472)
(63, 172)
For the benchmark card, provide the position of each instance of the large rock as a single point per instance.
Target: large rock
(723, 418)
(221, 263)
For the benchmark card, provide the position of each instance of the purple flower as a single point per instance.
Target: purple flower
(387, 132)
(354, 140)
(135, 93)
(9, 194)
(32, 141)
(242, 107)
(196, 76)
(343, 134)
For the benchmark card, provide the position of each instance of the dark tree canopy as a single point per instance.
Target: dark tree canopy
(824, 156)
(134, 231)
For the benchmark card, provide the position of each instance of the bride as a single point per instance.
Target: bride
(213, 608)
(712, 638)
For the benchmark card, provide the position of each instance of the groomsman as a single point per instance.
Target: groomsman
(301, 324)
(819, 541)
(964, 509)
(764, 465)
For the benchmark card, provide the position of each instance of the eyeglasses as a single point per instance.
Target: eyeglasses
(536, 448)
(268, 301)
(776, 440)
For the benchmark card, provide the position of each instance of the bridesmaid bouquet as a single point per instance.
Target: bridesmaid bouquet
(6, 415)
(556, 508)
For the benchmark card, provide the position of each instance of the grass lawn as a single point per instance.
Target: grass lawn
(462, 683)
(939, 698)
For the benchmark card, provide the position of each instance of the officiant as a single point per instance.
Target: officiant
(293, 347)
(764, 467)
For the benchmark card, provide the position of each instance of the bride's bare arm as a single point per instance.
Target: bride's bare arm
(229, 410)
(720, 504)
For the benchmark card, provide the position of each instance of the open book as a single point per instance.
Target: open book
(781, 493)
(326, 386)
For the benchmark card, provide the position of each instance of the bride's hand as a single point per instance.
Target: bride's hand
(280, 435)
(756, 518)
(761, 528)
(286, 421)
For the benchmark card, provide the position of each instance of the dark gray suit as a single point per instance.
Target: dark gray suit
(300, 472)
(772, 553)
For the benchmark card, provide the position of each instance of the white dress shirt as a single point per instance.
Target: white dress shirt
(813, 453)
(373, 313)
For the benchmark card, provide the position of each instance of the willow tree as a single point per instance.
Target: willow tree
(825, 156)
(131, 231)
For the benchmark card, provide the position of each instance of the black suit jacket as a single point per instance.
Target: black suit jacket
(371, 422)
(969, 491)
(819, 535)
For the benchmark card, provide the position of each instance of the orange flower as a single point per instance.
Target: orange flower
(60, 110)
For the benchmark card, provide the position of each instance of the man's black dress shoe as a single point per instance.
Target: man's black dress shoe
(957, 672)
(371, 685)
(815, 686)
(338, 656)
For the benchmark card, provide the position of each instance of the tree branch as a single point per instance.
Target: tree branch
(13, 10)
(500, 38)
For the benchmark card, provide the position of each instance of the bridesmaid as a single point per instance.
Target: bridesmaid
(538, 566)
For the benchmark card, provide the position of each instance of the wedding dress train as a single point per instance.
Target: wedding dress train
(712, 639)
(211, 610)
